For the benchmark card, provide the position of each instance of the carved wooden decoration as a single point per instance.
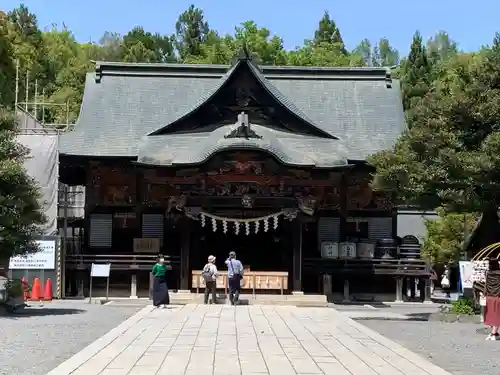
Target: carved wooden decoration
(360, 195)
(112, 184)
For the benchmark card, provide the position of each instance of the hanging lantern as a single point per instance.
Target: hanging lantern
(214, 224)
(266, 224)
(202, 220)
(224, 226)
(257, 223)
(236, 227)
(247, 228)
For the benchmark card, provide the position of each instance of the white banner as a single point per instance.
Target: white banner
(466, 274)
(44, 259)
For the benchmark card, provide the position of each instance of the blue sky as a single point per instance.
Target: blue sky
(470, 23)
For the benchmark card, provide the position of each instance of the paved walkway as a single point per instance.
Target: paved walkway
(223, 340)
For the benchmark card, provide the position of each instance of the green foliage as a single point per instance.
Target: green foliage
(60, 64)
(416, 73)
(328, 33)
(445, 237)
(464, 306)
(14, 288)
(20, 214)
(450, 156)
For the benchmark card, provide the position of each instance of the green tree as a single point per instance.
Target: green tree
(267, 49)
(450, 156)
(215, 50)
(441, 47)
(445, 237)
(415, 74)
(111, 46)
(21, 215)
(142, 46)
(7, 66)
(384, 54)
(26, 40)
(364, 49)
(191, 31)
(328, 33)
(67, 62)
(325, 54)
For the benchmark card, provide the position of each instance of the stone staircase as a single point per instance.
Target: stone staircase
(303, 300)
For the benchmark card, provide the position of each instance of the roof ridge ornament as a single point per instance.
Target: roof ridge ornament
(243, 130)
(243, 55)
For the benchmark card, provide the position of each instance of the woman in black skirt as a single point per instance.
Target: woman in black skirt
(160, 289)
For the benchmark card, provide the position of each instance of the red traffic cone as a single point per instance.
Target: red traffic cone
(47, 290)
(36, 291)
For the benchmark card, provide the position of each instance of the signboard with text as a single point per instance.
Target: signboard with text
(44, 259)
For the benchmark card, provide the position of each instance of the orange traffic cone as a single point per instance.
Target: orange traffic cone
(36, 291)
(47, 290)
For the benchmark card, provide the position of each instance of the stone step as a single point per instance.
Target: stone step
(283, 300)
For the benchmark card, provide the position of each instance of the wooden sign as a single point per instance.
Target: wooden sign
(147, 245)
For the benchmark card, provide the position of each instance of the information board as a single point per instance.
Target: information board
(100, 270)
(44, 259)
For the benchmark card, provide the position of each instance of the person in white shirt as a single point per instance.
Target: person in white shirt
(210, 274)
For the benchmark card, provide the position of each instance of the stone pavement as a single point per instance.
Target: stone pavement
(225, 340)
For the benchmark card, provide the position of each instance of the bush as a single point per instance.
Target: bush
(464, 306)
(14, 289)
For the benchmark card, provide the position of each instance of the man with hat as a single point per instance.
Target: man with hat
(234, 275)
(209, 274)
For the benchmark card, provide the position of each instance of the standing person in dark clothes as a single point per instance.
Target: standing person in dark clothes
(160, 289)
(492, 294)
(234, 275)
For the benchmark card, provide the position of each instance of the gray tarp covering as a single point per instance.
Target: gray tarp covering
(43, 166)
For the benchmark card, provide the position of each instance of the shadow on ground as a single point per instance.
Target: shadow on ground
(412, 317)
(29, 312)
(378, 305)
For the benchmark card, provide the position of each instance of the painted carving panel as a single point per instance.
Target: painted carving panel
(112, 184)
(360, 195)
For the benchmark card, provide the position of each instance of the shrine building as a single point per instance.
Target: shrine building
(267, 161)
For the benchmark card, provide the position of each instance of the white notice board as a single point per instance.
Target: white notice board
(100, 270)
(44, 259)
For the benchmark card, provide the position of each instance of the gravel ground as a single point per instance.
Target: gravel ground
(40, 338)
(456, 347)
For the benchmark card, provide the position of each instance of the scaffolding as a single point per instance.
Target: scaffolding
(34, 111)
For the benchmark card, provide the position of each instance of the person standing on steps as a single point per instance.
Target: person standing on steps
(234, 276)
(209, 274)
(160, 289)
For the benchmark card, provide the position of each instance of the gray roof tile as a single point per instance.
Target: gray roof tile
(306, 151)
(359, 106)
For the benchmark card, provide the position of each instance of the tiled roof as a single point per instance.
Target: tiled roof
(290, 149)
(122, 103)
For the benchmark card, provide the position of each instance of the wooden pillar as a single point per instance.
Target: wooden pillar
(343, 206)
(427, 290)
(139, 200)
(185, 249)
(399, 289)
(297, 255)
